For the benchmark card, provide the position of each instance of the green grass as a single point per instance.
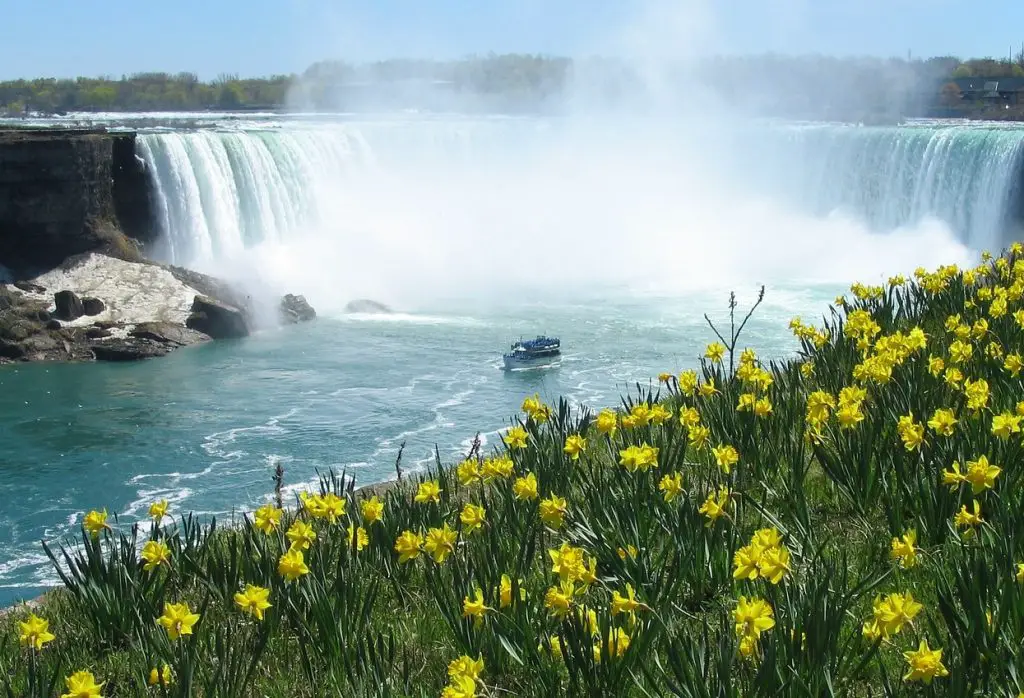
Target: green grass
(832, 490)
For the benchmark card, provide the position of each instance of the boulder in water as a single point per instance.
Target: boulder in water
(364, 305)
(129, 349)
(216, 319)
(68, 306)
(167, 333)
(296, 309)
(92, 306)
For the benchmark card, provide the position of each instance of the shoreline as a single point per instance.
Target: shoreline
(373, 488)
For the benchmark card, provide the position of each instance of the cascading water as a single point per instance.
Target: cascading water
(220, 192)
(457, 206)
(967, 176)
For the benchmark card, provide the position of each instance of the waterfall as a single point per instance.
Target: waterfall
(220, 192)
(968, 176)
(223, 191)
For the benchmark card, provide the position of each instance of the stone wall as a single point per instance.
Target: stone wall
(66, 192)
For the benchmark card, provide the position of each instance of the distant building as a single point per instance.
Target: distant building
(996, 91)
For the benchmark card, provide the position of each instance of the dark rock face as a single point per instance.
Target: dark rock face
(133, 201)
(92, 306)
(296, 309)
(216, 319)
(148, 340)
(364, 305)
(129, 349)
(29, 286)
(23, 337)
(57, 196)
(69, 306)
(168, 333)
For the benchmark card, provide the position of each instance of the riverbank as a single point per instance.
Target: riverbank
(841, 521)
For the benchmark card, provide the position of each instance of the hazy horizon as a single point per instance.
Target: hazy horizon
(261, 38)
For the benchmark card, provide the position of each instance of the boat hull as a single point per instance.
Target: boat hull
(517, 362)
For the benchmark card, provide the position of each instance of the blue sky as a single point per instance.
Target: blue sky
(64, 38)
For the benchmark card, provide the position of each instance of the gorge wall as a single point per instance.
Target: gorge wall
(67, 192)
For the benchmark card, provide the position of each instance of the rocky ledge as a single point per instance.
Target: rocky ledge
(97, 307)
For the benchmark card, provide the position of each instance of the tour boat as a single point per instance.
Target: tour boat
(532, 353)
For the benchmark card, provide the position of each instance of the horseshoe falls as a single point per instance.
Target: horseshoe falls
(400, 192)
(616, 235)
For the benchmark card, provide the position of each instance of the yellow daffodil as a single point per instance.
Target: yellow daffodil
(177, 620)
(671, 486)
(34, 632)
(408, 546)
(82, 684)
(291, 565)
(372, 509)
(96, 521)
(472, 518)
(440, 543)
(726, 456)
(155, 553)
(253, 600)
(358, 537)
(163, 676)
(607, 422)
(574, 446)
(752, 617)
(924, 664)
(515, 437)
(301, 535)
(267, 518)
(904, 549)
(715, 352)
(525, 488)
(552, 511)
(428, 491)
(158, 510)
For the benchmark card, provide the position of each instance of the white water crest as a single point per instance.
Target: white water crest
(410, 209)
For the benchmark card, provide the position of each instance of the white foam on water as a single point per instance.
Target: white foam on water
(409, 318)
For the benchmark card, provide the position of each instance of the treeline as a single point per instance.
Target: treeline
(779, 85)
(142, 92)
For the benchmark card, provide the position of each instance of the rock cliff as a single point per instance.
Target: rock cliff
(66, 192)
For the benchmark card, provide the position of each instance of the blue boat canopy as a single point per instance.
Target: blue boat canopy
(538, 344)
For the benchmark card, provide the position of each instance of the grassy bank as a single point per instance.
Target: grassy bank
(848, 522)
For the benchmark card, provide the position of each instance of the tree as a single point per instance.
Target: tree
(231, 96)
(950, 95)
